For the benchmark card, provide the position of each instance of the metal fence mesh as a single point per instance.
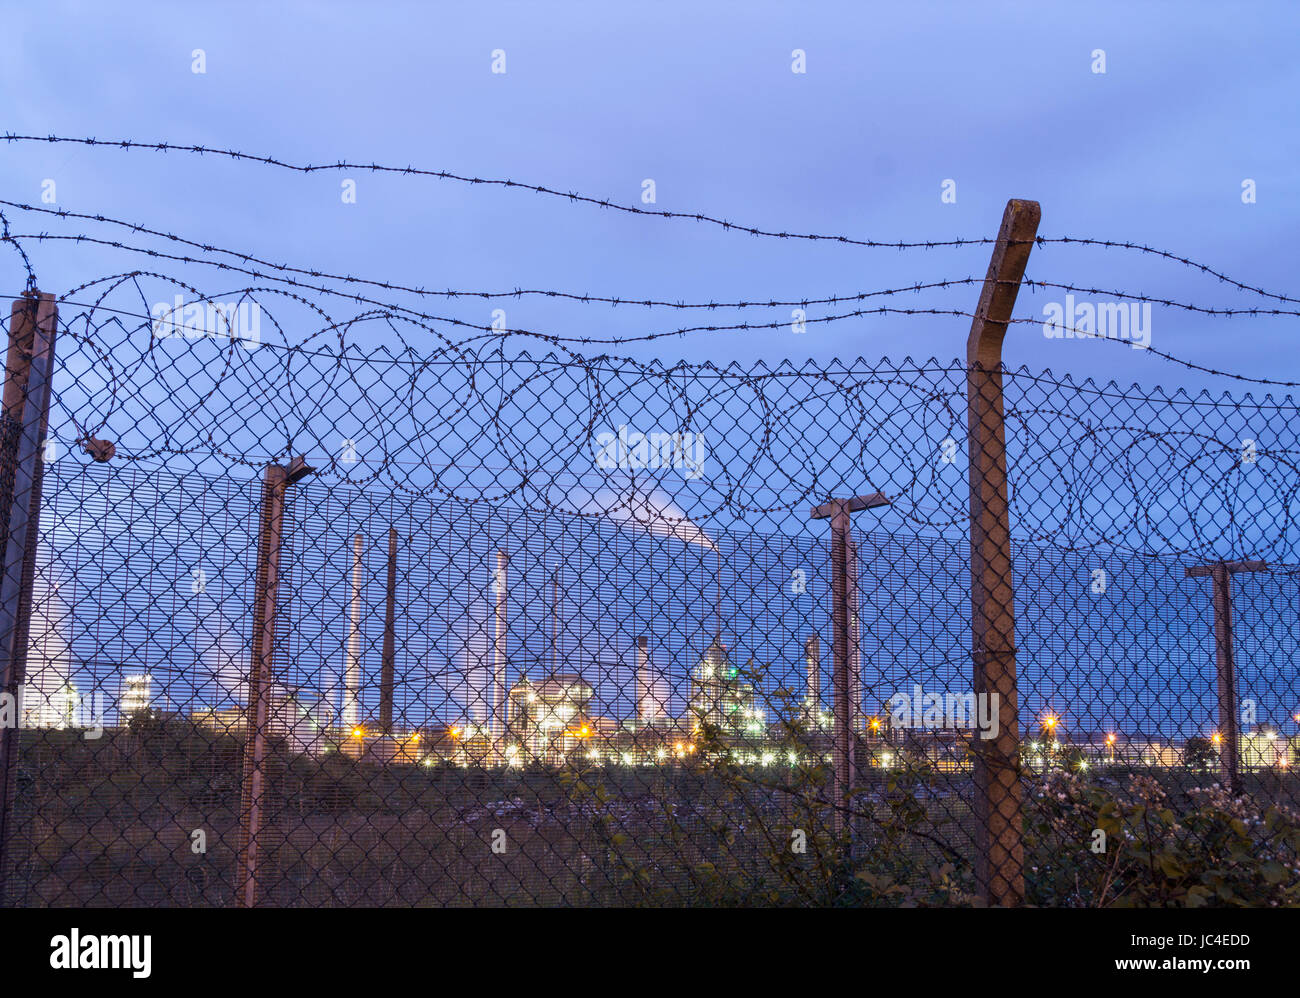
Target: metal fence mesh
(555, 630)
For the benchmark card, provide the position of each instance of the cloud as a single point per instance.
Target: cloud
(651, 511)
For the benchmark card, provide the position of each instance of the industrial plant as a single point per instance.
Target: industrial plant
(521, 711)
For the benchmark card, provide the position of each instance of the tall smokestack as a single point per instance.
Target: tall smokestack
(555, 620)
(812, 655)
(499, 649)
(651, 690)
(352, 670)
(390, 639)
(644, 707)
(717, 606)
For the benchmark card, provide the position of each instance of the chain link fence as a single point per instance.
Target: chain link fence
(406, 626)
(300, 609)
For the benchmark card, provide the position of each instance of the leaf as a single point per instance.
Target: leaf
(1273, 872)
(1170, 865)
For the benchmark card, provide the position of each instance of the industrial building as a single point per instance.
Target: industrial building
(296, 721)
(549, 719)
(136, 696)
(720, 698)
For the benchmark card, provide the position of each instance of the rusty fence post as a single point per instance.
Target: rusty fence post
(29, 371)
(841, 684)
(999, 851)
(1221, 572)
(844, 737)
(252, 802)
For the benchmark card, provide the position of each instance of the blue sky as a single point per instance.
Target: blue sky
(1000, 98)
(700, 98)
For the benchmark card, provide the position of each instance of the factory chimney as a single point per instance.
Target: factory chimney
(644, 706)
(352, 670)
(812, 655)
(499, 651)
(390, 639)
(555, 620)
(651, 690)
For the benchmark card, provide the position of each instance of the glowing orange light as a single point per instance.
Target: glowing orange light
(1110, 739)
(455, 732)
(875, 724)
(1218, 738)
(358, 732)
(1049, 721)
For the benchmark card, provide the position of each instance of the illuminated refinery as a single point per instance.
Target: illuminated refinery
(526, 710)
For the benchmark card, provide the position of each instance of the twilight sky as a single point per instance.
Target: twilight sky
(897, 99)
(700, 98)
